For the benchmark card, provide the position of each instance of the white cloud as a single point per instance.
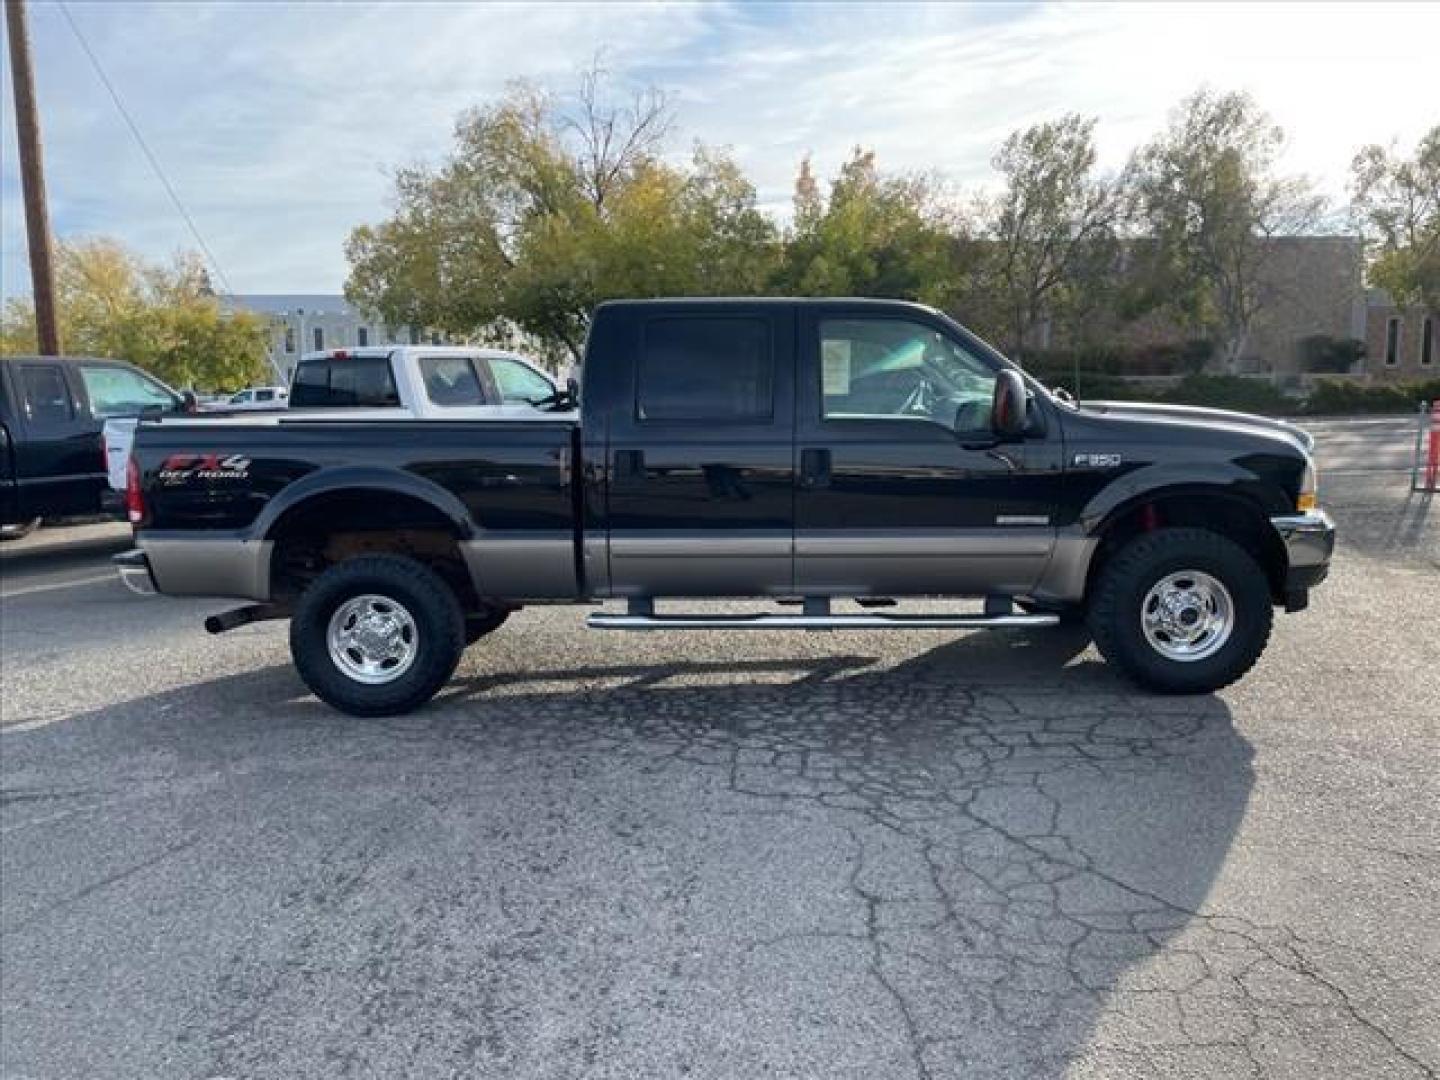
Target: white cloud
(277, 123)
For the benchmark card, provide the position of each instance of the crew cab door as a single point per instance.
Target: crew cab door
(699, 468)
(902, 488)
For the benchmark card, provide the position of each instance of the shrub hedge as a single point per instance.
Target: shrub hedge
(1327, 397)
(1334, 396)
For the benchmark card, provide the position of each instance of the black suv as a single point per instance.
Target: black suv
(52, 409)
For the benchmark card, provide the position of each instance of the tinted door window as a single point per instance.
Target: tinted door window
(451, 380)
(713, 369)
(119, 392)
(894, 369)
(47, 399)
(519, 384)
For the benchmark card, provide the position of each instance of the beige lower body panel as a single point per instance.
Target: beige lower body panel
(224, 567)
(701, 563)
(523, 565)
(923, 562)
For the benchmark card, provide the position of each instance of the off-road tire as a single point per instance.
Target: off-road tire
(478, 624)
(439, 631)
(1118, 595)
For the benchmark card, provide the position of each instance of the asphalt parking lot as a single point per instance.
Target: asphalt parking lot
(855, 854)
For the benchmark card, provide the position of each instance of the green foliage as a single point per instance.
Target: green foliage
(1119, 360)
(1328, 397)
(1397, 203)
(1232, 392)
(1207, 193)
(1053, 227)
(162, 318)
(1334, 397)
(1321, 353)
(874, 235)
(541, 212)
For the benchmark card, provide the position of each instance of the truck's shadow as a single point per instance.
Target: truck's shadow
(997, 842)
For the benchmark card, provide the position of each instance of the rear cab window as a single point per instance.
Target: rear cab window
(452, 381)
(47, 398)
(344, 382)
(720, 369)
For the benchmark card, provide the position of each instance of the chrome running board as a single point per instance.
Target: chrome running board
(867, 621)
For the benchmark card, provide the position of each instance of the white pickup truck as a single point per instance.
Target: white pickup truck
(427, 382)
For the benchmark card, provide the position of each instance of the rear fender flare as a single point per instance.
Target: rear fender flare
(366, 478)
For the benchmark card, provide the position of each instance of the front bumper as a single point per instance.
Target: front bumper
(1309, 541)
(134, 569)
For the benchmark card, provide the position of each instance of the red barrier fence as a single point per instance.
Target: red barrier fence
(1427, 441)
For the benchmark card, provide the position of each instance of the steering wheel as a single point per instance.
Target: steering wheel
(917, 402)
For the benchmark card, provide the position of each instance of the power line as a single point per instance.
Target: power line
(145, 147)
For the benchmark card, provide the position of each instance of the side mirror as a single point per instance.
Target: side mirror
(572, 390)
(1009, 416)
(189, 403)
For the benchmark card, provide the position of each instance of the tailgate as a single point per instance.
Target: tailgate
(119, 437)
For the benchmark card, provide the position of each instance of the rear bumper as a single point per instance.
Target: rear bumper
(134, 570)
(1309, 541)
(211, 563)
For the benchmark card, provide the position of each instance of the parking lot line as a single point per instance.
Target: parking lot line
(91, 580)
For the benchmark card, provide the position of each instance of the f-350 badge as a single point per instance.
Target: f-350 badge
(1098, 461)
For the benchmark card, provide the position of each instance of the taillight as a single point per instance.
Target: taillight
(134, 497)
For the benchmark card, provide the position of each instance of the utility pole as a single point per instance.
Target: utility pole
(32, 181)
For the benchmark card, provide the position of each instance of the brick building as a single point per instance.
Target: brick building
(1400, 343)
(1311, 289)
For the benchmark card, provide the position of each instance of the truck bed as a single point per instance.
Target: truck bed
(504, 489)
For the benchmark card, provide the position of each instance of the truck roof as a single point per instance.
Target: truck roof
(766, 301)
(379, 352)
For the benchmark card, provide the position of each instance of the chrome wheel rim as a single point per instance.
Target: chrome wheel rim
(372, 639)
(1187, 616)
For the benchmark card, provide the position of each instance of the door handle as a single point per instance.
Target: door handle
(814, 467)
(629, 466)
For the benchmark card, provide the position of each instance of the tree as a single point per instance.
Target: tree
(874, 235)
(545, 209)
(1207, 196)
(163, 318)
(1397, 206)
(1053, 226)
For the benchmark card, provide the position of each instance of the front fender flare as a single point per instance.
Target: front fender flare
(1225, 479)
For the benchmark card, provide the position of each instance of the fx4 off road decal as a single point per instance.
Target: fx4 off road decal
(178, 468)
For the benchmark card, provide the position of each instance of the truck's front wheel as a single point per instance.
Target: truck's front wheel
(1181, 611)
(377, 636)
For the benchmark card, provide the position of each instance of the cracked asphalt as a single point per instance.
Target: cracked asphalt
(920, 854)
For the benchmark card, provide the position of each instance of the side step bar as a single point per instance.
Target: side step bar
(868, 621)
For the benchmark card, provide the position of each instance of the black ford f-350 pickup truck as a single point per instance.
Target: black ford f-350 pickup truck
(807, 450)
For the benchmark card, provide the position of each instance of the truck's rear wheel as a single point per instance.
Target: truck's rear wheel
(377, 636)
(1182, 611)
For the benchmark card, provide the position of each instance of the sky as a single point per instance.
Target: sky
(279, 124)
